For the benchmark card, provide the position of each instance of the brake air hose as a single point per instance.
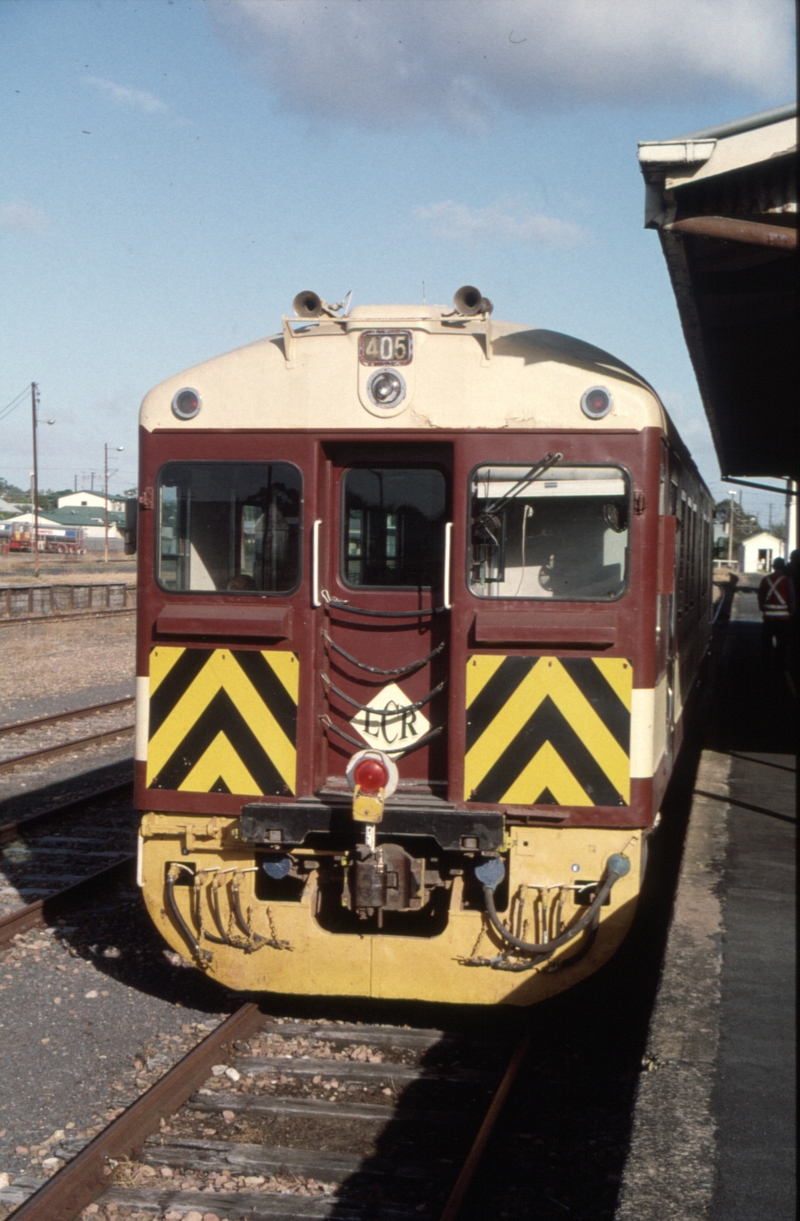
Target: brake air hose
(491, 873)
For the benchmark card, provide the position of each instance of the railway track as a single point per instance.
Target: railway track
(269, 1118)
(36, 732)
(52, 857)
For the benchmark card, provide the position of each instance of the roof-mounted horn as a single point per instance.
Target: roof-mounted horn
(469, 301)
(308, 305)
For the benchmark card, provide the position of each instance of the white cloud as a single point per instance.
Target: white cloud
(123, 96)
(504, 221)
(22, 217)
(460, 61)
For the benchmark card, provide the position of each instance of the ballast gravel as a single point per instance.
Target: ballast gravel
(55, 665)
(91, 1014)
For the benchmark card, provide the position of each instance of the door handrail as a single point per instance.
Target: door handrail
(448, 536)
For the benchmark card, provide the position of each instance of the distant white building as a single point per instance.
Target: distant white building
(91, 521)
(90, 500)
(7, 507)
(757, 552)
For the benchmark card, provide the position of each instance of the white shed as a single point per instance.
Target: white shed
(757, 552)
(90, 500)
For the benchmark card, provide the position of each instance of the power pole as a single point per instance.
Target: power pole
(35, 497)
(119, 449)
(730, 532)
(105, 503)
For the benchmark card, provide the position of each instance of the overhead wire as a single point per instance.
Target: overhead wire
(15, 402)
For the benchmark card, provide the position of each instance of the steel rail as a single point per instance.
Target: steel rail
(75, 714)
(42, 913)
(65, 747)
(11, 830)
(83, 1179)
(464, 1181)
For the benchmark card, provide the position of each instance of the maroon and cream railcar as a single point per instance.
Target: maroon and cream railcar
(421, 598)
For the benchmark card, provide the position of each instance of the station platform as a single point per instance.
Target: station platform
(714, 1125)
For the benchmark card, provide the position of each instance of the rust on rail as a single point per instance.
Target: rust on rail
(44, 911)
(64, 749)
(74, 715)
(84, 1178)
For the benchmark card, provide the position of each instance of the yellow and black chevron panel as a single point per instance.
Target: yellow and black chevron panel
(548, 730)
(223, 721)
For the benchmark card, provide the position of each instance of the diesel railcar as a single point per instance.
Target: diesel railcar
(421, 597)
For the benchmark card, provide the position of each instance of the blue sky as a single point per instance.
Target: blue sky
(176, 170)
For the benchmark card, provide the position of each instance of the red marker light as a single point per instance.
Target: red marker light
(371, 776)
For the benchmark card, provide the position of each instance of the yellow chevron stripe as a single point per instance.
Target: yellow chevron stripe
(547, 770)
(161, 662)
(220, 760)
(222, 671)
(592, 731)
(286, 669)
(548, 677)
(501, 731)
(619, 676)
(479, 671)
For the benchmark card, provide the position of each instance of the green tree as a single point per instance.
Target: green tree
(744, 525)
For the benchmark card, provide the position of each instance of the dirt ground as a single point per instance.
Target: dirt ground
(56, 665)
(17, 570)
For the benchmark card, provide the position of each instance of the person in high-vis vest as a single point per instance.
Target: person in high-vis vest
(776, 601)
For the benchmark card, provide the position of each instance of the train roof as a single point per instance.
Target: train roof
(465, 372)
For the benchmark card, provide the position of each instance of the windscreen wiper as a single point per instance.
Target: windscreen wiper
(528, 478)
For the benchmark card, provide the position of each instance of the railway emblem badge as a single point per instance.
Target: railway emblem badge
(389, 722)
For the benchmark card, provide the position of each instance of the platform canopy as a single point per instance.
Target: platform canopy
(724, 202)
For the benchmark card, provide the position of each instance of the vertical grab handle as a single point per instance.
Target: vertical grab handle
(315, 598)
(448, 537)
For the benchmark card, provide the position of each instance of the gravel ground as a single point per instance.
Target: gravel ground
(47, 782)
(16, 570)
(91, 1013)
(63, 664)
(62, 733)
(45, 857)
(63, 781)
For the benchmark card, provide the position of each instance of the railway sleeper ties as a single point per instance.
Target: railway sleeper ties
(212, 881)
(491, 873)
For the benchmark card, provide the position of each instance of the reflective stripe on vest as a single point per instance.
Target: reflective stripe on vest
(775, 604)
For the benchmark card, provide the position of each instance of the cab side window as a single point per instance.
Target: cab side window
(229, 527)
(562, 535)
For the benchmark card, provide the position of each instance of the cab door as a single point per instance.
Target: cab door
(384, 609)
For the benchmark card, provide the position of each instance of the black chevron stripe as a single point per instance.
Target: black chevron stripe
(271, 690)
(500, 687)
(221, 714)
(602, 696)
(170, 690)
(547, 725)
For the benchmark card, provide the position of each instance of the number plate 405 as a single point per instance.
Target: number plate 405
(385, 348)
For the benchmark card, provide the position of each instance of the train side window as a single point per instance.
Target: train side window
(393, 527)
(229, 527)
(563, 535)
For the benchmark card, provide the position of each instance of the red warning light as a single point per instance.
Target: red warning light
(371, 776)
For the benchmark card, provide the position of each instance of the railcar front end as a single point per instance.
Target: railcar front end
(409, 653)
